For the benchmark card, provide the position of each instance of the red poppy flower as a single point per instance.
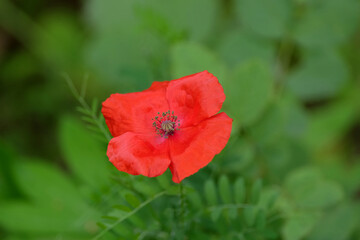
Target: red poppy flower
(173, 124)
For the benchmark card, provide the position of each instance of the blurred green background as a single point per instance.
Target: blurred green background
(291, 74)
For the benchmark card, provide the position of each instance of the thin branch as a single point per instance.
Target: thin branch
(83, 103)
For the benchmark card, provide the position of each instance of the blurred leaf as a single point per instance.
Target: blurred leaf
(56, 205)
(238, 47)
(239, 190)
(322, 75)
(23, 217)
(61, 43)
(19, 67)
(270, 127)
(195, 199)
(121, 60)
(250, 215)
(119, 51)
(299, 225)
(256, 191)
(148, 188)
(266, 18)
(295, 117)
(164, 181)
(240, 157)
(260, 220)
(132, 200)
(47, 186)
(330, 123)
(308, 189)
(338, 224)
(224, 189)
(210, 192)
(215, 213)
(189, 58)
(84, 155)
(8, 186)
(327, 23)
(248, 92)
(269, 196)
(197, 24)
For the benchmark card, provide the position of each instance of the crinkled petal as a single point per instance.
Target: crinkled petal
(133, 112)
(136, 154)
(195, 97)
(194, 147)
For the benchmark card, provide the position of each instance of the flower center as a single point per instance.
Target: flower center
(166, 124)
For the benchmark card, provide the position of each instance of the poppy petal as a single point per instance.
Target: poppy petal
(133, 112)
(194, 147)
(136, 154)
(195, 97)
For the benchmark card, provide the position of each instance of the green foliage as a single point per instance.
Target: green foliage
(266, 18)
(189, 58)
(250, 87)
(82, 153)
(239, 46)
(308, 195)
(326, 23)
(37, 214)
(320, 76)
(290, 72)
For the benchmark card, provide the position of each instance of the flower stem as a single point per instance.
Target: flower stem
(181, 198)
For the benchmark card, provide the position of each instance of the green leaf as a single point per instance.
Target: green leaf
(337, 224)
(83, 153)
(132, 200)
(163, 180)
(266, 18)
(61, 41)
(215, 213)
(50, 193)
(48, 186)
(147, 188)
(308, 189)
(24, 217)
(238, 47)
(260, 220)
(327, 23)
(116, 34)
(195, 199)
(295, 117)
(224, 189)
(94, 106)
(299, 225)
(210, 192)
(197, 25)
(250, 215)
(321, 75)
(189, 58)
(256, 191)
(331, 123)
(239, 190)
(248, 92)
(270, 127)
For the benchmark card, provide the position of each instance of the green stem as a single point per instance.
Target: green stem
(83, 103)
(110, 227)
(181, 196)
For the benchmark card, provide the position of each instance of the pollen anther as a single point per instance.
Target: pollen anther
(166, 124)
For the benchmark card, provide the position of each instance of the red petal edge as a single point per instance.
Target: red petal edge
(133, 112)
(195, 97)
(136, 154)
(194, 147)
